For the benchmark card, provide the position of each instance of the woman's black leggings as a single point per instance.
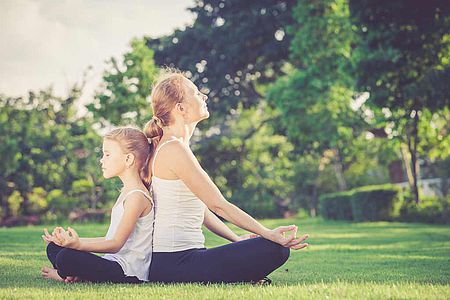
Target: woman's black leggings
(86, 265)
(244, 261)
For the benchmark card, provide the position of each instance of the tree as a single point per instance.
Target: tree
(315, 97)
(231, 48)
(403, 62)
(232, 51)
(45, 148)
(123, 98)
(251, 164)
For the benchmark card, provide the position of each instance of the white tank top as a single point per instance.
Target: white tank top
(135, 255)
(179, 214)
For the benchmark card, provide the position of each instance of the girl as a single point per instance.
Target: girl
(128, 243)
(185, 196)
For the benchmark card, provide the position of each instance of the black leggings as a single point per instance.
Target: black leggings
(244, 261)
(86, 265)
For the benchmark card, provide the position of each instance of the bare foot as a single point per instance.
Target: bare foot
(72, 279)
(51, 273)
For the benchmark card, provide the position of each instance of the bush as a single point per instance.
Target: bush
(374, 203)
(369, 203)
(336, 206)
(429, 210)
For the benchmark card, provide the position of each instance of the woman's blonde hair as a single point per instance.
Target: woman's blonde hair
(167, 91)
(134, 141)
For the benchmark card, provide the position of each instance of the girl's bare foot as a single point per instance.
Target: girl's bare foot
(51, 273)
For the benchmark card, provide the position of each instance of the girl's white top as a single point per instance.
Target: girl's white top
(135, 255)
(179, 215)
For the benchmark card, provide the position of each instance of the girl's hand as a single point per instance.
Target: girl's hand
(67, 239)
(47, 237)
(51, 238)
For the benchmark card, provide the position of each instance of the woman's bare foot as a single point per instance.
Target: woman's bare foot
(51, 273)
(72, 279)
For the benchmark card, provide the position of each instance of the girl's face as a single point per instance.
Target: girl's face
(195, 103)
(113, 159)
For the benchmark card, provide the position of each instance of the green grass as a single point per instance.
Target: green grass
(345, 260)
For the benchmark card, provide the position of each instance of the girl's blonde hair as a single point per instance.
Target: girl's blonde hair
(134, 141)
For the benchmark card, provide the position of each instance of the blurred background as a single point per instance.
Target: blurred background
(338, 109)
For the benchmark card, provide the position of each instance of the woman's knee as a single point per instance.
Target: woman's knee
(284, 254)
(278, 252)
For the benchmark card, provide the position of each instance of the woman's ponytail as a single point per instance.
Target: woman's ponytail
(154, 133)
(166, 93)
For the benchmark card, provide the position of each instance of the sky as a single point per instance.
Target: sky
(52, 42)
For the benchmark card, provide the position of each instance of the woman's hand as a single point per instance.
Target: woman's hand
(248, 236)
(278, 235)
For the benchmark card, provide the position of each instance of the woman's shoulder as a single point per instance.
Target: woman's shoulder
(173, 146)
(177, 154)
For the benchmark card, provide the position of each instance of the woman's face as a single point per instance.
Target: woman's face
(113, 159)
(195, 103)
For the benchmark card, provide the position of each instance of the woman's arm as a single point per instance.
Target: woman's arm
(133, 208)
(215, 225)
(92, 240)
(184, 164)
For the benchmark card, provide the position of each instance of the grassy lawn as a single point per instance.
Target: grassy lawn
(345, 260)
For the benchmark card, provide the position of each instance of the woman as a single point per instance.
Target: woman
(185, 196)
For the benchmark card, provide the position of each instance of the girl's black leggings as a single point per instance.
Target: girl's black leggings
(244, 261)
(86, 265)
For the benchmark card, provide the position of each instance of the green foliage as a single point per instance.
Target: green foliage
(37, 200)
(336, 206)
(403, 62)
(434, 129)
(123, 98)
(404, 50)
(368, 203)
(374, 203)
(231, 47)
(250, 163)
(429, 210)
(59, 203)
(315, 97)
(15, 200)
(311, 180)
(46, 148)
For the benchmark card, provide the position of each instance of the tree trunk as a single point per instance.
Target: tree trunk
(337, 164)
(412, 146)
(4, 199)
(314, 201)
(406, 158)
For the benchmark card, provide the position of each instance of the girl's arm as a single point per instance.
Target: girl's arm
(184, 164)
(215, 225)
(49, 237)
(134, 205)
